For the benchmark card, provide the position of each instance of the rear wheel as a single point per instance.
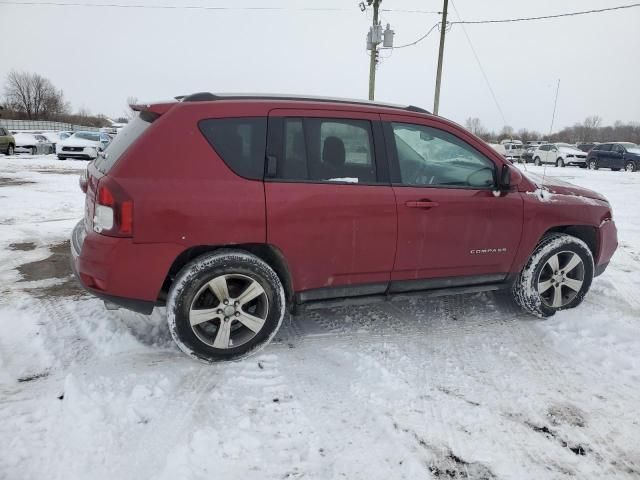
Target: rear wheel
(615, 169)
(557, 276)
(630, 167)
(60, 157)
(593, 164)
(560, 162)
(225, 306)
(537, 161)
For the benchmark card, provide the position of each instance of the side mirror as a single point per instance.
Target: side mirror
(510, 178)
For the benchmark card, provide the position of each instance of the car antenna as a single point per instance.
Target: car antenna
(553, 116)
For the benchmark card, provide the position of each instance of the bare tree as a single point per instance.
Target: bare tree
(33, 95)
(474, 125)
(592, 122)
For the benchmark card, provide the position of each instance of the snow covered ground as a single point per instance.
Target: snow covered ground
(457, 387)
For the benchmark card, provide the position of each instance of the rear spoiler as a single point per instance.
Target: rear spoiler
(153, 108)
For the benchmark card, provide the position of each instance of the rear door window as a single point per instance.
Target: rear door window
(605, 148)
(123, 140)
(328, 150)
(240, 142)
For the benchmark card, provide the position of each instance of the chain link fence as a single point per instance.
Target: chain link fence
(42, 125)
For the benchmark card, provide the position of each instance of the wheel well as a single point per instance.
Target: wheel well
(587, 234)
(270, 254)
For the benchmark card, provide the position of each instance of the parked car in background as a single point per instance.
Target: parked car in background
(32, 143)
(7, 142)
(82, 145)
(527, 154)
(55, 137)
(586, 146)
(513, 151)
(560, 155)
(244, 227)
(615, 156)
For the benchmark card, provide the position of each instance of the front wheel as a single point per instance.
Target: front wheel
(560, 162)
(225, 305)
(537, 161)
(34, 150)
(630, 167)
(10, 150)
(593, 165)
(557, 276)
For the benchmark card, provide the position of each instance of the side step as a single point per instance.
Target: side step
(373, 299)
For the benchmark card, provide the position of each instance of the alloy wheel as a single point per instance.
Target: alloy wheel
(630, 167)
(592, 165)
(228, 311)
(561, 279)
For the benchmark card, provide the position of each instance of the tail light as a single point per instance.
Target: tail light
(113, 214)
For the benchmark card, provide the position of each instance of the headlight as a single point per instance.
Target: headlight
(570, 155)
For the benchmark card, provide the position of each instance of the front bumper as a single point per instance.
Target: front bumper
(120, 271)
(608, 243)
(89, 153)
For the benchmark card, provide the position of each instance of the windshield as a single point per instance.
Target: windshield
(629, 145)
(565, 145)
(94, 137)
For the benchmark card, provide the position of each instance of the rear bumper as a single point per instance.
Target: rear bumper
(120, 271)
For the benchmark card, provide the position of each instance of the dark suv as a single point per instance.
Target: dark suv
(233, 210)
(615, 156)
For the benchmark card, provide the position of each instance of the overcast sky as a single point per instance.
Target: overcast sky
(100, 56)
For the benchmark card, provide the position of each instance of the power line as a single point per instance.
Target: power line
(417, 41)
(168, 7)
(194, 7)
(484, 74)
(545, 17)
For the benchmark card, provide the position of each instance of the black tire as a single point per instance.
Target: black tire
(593, 164)
(630, 167)
(34, 150)
(560, 162)
(615, 169)
(537, 162)
(10, 150)
(60, 157)
(526, 288)
(190, 286)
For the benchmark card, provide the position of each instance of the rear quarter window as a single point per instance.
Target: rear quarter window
(240, 142)
(123, 140)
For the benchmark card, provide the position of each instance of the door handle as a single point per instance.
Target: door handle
(421, 204)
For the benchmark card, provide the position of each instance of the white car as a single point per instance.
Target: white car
(32, 143)
(560, 155)
(55, 137)
(82, 145)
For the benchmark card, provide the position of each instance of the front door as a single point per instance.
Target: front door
(452, 228)
(330, 208)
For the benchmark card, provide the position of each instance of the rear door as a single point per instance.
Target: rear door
(452, 229)
(330, 208)
(617, 156)
(604, 155)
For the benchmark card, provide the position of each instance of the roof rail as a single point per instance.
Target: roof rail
(208, 96)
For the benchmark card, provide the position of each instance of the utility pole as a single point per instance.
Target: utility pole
(375, 37)
(443, 29)
(374, 51)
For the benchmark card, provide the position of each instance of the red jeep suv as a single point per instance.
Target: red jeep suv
(231, 210)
